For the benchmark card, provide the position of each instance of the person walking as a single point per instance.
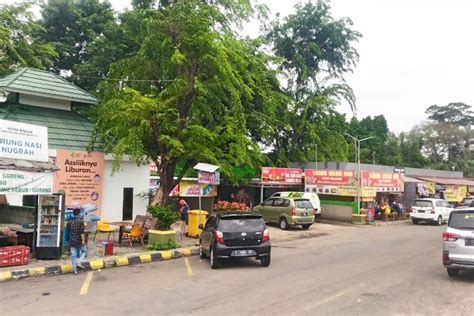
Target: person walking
(77, 241)
(184, 208)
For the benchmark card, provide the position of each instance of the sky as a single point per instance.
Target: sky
(413, 54)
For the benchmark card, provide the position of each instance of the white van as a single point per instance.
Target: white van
(312, 197)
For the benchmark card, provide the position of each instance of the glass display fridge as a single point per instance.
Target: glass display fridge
(50, 215)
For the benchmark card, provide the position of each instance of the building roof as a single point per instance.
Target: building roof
(66, 129)
(25, 165)
(45, 84)
(448, 181)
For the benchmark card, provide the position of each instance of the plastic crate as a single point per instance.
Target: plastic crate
(14, 256)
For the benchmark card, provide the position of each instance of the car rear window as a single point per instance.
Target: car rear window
(462, 220)
(303, 204)
(241, 224)
(467, 201)
(421, 203)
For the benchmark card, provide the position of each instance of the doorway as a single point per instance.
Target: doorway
(127, 211)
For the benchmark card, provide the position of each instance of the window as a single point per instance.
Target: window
(439, 203)
(211, 223)
(303, 204)
(241, 224)
(462, 220)
(279, 202)
(422, 203)
(268, 202)
(286, 203)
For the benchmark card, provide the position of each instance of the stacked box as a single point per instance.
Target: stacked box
(14, 256)
(105, 248)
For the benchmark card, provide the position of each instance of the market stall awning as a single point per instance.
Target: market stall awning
(448, 181)
(26, 165)
(410, 179)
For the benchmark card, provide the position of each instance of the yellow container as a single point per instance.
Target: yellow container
(195, 217)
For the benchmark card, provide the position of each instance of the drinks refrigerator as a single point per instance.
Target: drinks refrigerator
(50, 215)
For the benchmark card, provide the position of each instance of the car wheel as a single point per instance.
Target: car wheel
(452, 272)
(214, 261)
(305, 226)
(265, 260)
(283, 223)
(201, 251)
(414, 221)
(439, 222)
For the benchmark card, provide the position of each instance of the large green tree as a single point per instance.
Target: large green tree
(18, 44)
(316, 51)
(71, 26)
(194, 92)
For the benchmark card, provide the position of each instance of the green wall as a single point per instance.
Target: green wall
(345, 203)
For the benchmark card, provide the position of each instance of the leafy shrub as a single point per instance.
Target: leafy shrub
(164, 215)
(169, 244)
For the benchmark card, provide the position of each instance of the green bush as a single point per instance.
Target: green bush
(164, 215)
(170, 244)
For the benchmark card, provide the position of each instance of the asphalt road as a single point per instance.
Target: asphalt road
(389, 270)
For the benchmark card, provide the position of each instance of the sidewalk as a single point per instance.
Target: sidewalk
(124, 255)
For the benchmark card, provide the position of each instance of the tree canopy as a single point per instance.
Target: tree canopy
(19, 46)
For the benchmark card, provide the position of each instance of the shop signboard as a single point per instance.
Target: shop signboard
(330, 177)
(23, 141)
(193, 189)
(208, 177)
(80, 177)
(271, 175)
(18, 182)
(352, 191)
(382, 181)
(455, 193)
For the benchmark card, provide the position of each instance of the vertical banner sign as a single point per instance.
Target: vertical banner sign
(23, 141)
(81, 178)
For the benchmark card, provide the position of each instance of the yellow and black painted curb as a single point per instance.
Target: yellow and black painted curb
(100, 263)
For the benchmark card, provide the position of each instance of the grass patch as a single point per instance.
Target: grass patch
(170, 244)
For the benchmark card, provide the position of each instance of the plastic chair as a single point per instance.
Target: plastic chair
(104, 227)
(135, 233)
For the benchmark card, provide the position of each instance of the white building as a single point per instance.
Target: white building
(42, 98)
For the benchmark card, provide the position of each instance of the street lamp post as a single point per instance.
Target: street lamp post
(359, 182)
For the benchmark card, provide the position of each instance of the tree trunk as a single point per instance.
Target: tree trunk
(166, 173)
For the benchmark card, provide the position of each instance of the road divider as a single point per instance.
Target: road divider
(102, 263)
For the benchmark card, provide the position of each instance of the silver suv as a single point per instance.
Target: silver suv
(458, 241)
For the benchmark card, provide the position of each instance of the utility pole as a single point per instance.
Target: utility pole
(316, 156)
(359, 182)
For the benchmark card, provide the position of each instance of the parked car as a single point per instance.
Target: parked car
(432, 210)
(466, 202)
(235, 235)
(312, 197)
(458, 241)
(287, 211)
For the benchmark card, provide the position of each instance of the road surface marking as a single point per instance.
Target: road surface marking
(326, 300)
(87, 282)
(188, 267)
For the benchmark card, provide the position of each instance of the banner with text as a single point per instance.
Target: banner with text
(22, 182)
(23, 141)
(192, 188)
(271, 175)
(382, 181)
(80, 177)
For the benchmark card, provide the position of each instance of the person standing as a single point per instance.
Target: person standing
(77, 241)
(184, 208)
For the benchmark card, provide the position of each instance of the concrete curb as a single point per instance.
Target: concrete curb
(102, 263)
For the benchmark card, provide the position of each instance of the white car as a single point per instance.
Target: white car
(312, 197)
(458, 241)
(431, 210)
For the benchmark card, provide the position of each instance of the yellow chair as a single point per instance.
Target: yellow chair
(135, 233)
(104, 227)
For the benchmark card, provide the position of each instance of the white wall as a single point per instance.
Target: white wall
(130, 176)
(45, 102)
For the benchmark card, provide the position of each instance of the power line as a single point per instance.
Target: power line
(123, 79)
